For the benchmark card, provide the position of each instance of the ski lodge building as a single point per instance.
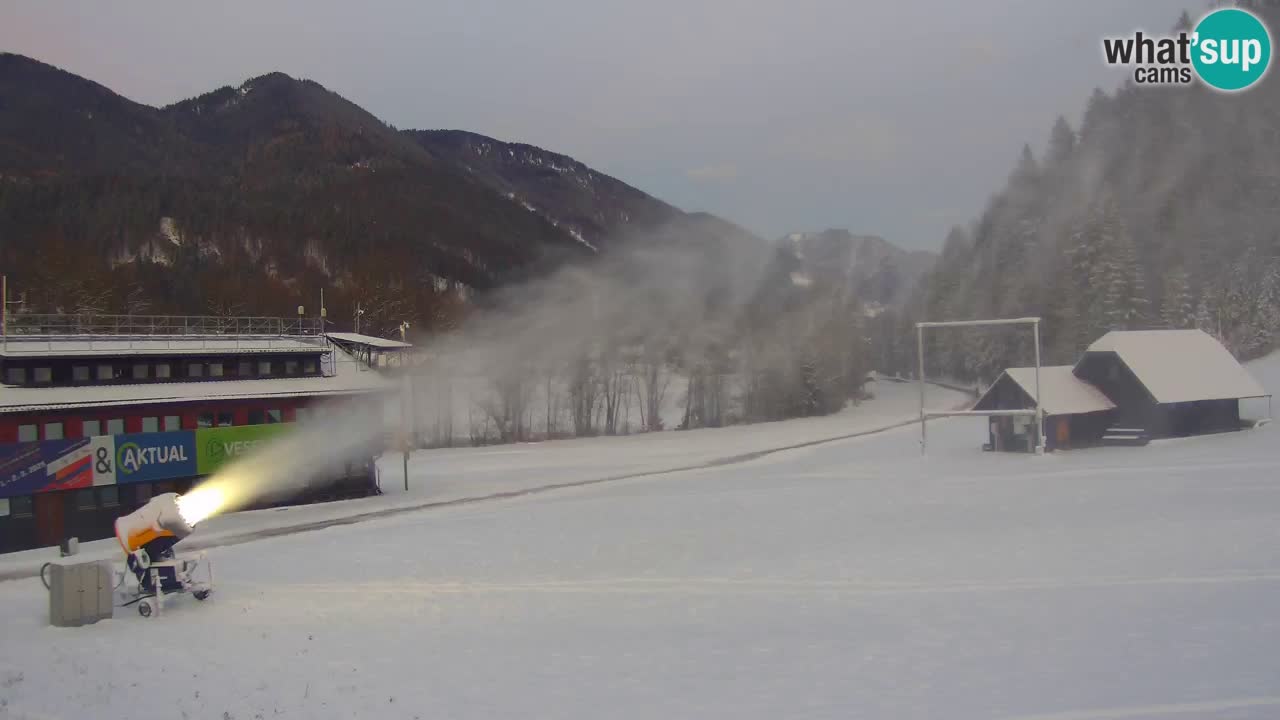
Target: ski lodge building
(1127, 388)
(97, 414)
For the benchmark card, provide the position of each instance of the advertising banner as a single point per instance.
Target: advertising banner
(216, 447)
(143, 457)
(33, 467)
(102, 450)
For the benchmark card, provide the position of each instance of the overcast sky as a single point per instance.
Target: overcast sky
(894, 118)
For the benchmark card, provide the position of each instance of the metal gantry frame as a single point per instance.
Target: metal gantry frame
(1034, 322)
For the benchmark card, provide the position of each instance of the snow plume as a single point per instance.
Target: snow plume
(312, 451)
(604, 332)
(662, 302)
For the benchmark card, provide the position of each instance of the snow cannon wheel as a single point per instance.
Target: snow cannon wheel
(145, 609)
(201, 594)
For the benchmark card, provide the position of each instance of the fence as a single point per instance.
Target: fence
(18, 324)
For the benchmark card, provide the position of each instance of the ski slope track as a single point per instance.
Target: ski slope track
(847, 578)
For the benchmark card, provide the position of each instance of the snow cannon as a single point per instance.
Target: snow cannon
(147, 536)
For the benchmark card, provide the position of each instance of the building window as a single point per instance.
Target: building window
(28, 433)
(257, 417)
(195, 370)
(90, 428)
(140, 371)
(215, 369)
(264, 367)
(172, 422)
(225, 419)
(163, 372)
(150, 424)
(109, 496)
(275, 416)
(141, 493)
(20, 506)
(44, 375)
(85, 500)
(115, 426)
(246, 369)
(308, 367)
(80, 373)
(105, 372)
(290, 367)
(204, 420)
(15, 375)
(53, 431)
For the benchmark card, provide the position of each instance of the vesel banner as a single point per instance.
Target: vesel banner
(141, 457)
(216, 447)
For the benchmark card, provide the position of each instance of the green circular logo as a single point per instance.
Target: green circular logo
(1232, 49)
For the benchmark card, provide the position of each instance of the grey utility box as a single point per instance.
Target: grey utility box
(79, 593)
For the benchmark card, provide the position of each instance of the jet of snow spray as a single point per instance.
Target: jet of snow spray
(312, 450)
(687, 280)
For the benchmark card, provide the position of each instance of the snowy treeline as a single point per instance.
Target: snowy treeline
(1161, 210)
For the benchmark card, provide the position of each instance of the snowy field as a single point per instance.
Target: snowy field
(842, 580)
(463, 474)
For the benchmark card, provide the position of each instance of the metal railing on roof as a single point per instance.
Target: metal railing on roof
(29, 324)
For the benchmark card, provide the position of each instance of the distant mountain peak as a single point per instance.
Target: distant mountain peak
(878, 271)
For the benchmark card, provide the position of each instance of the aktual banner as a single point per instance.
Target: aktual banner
(142, 457)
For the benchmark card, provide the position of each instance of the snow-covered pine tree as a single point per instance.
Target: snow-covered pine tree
(1206, 317)
(1062, 141)
(1177, 311)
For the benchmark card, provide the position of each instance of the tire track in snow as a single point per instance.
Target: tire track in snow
(717, 586)
(1196, 709)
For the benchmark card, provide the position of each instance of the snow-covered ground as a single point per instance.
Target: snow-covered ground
(461, 474)
(847, 579)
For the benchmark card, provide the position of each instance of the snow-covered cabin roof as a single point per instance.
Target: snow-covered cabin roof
(1180, 365)
(93, 346)
(1064, 393)
(350, 377)
(370, 340)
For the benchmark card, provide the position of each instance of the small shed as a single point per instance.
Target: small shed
(374, 352)
(1169, 383)
(1077, 414)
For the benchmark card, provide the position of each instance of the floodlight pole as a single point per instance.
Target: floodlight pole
(1035, 327)
(920, 382)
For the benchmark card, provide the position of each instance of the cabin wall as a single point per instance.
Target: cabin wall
(1196, 418)
(1134, 405)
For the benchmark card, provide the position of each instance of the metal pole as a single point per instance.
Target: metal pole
(4, 309)
(1035, 327)
(920, 381)
(406, 429)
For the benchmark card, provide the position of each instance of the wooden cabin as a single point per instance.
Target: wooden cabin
(1127, 388)
(1076, 413)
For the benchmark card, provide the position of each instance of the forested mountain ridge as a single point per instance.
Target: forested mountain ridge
(590, 205)
(249, 199)
(1161, 210)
